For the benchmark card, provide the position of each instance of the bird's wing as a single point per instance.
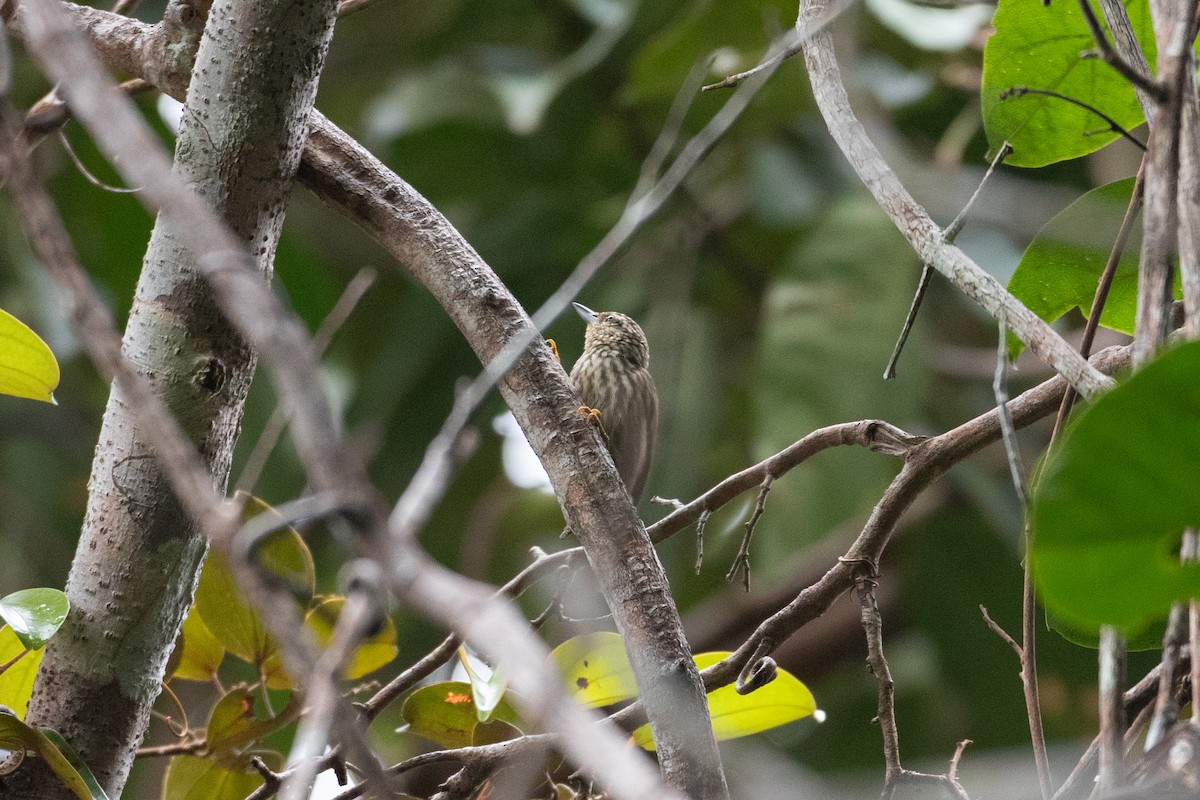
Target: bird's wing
(633, 450)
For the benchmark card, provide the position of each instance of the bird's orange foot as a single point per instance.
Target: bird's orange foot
(554, 349)
(593, 415)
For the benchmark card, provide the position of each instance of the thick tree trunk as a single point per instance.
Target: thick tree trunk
(138, 556)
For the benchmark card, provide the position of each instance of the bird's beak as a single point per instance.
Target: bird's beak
(588, 315)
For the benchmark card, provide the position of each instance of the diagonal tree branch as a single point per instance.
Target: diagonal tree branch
(593, 499)
(914, 222)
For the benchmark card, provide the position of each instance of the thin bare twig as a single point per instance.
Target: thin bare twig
(1113, 125)
(895, 773)
(741, 561)
(786, 46)
(1029, 671)
(948, 236)
(1008, 435)
(959, 222)
(355, 290)
(1137, 74)
(87, 174)
(1003, 634)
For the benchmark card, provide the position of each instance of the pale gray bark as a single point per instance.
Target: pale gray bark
(138, 556)
(594, 501)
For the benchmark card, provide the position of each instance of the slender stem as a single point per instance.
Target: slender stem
(1112, 710)
(1103, 286)
(1138, 75)
(1029, 677)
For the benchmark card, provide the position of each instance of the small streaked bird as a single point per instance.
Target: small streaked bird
(613, 377)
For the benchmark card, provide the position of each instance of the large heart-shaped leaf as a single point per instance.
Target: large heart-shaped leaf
(1115, 497)
(1061, 267)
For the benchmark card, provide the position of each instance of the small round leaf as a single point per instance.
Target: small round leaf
(34, 614)
(445, 713)
(1115, 497)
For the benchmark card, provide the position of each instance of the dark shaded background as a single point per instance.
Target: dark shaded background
(771, 289)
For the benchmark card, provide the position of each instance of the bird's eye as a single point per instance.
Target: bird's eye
(613, 321)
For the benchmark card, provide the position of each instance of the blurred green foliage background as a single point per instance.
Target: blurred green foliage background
(771, 288)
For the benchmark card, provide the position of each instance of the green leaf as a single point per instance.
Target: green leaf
(198, 654)
(781, 701)
(236, 627)
(219, 601)
(233, 726)
(493, 732)
(34, 614)
(16, 682)
(1115, 497)
(16, 735)
(597, 667)
(1041, 46)
(445, 713)
(1150, 638)
(27, 366)
(191, 778)
(1062, 265)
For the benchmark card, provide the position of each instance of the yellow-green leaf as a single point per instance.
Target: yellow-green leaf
(16, 735)
(445, 713)
(77, 763)
(219, 602)
(16, 682)
(597, 668)
(370, 655)
(198, 654)
(233, 725)
(27, 367)
(283, 553)
(191, 778)
(781, 701)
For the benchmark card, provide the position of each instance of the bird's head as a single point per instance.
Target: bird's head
(611, 334)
